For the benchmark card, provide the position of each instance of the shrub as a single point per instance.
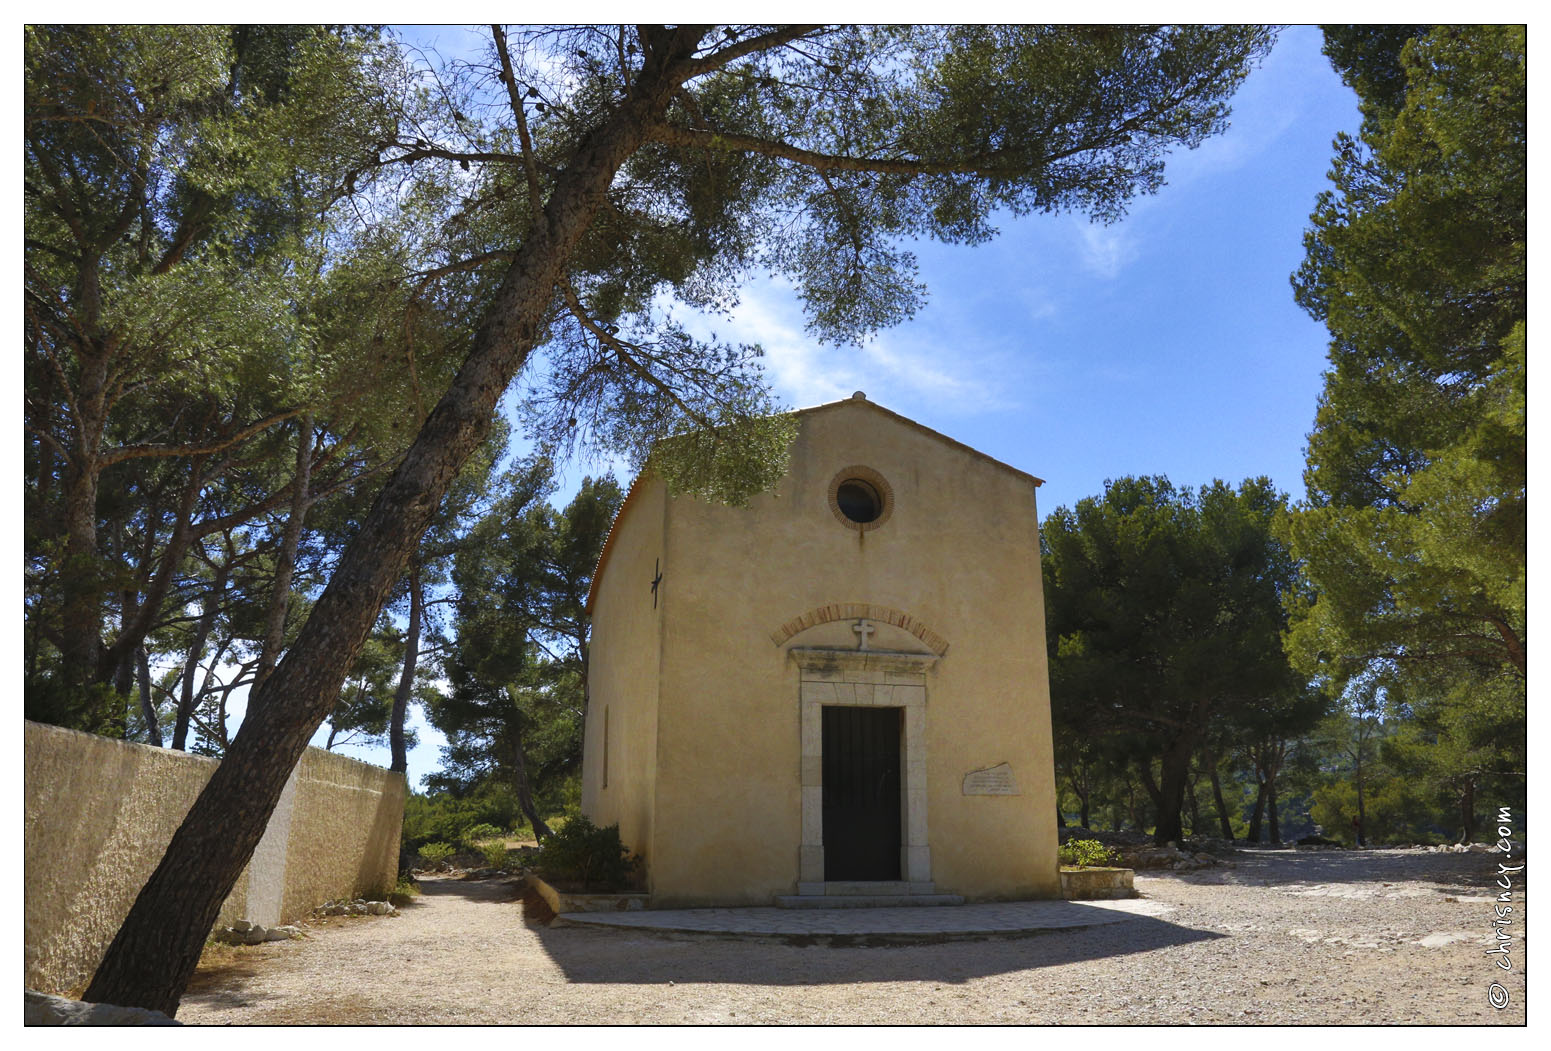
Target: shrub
(1086, 853)
(1395, 811)
(581, 852)
(445, 818)
(495, 853)
(406, 891)
(477, 834)
(431, 853)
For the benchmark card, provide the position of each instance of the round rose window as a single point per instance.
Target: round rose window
(860, 498)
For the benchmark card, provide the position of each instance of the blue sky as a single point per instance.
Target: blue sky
(1167, 343)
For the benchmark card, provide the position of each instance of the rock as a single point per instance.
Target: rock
(246, 932)
(358, 907)
(42, 1009)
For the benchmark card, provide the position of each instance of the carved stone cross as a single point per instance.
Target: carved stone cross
(862, 629)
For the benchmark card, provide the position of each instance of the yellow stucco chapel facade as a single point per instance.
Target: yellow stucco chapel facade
(840, 688)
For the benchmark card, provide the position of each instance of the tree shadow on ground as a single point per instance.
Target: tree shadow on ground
(1270, 866)
(230, 976)
(636, 956)
(224, 981)
(494, 890)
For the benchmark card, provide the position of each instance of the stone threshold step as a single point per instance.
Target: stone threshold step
(863, 901)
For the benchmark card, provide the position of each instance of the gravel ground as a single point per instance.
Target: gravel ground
(1280, 936)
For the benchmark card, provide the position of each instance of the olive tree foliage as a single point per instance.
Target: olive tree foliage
(614, 171)
(1413, 539)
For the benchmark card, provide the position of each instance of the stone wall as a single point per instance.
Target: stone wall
(100, 812)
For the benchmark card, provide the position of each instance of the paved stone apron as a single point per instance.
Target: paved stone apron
(900, 923)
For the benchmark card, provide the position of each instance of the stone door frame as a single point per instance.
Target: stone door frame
(864, 678)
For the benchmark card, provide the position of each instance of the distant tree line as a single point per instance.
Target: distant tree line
(1222, 663)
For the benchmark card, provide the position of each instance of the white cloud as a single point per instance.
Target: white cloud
(1038, 305)
(1269, 103)
(898, 367)
(1105, 250)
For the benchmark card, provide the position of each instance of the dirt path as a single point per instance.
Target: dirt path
(1280, 937)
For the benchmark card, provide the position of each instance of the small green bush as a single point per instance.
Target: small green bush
(406, 890)
(581, 852)
(431, 853)
(495, 853)
(477, 834)
(444, 818)
(1086, 853)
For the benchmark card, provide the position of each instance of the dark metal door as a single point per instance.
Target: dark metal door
(861, 793)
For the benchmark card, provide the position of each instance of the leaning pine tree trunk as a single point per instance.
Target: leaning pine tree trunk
(151, 960)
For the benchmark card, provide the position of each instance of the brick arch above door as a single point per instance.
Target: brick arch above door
(861, 611)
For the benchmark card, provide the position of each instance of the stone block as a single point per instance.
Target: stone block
(1096, 884)
(818, 692)
(812, 730)
(812, 815)
(812, 771)
(915, 821)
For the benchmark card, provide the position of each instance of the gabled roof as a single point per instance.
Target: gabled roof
(853, 400)
(859, 397)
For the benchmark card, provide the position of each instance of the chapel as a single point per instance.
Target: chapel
(839, 689)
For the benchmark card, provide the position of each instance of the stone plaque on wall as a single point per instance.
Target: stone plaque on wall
(992, 781)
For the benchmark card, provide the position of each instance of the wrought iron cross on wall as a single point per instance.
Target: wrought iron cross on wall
(656, 579)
